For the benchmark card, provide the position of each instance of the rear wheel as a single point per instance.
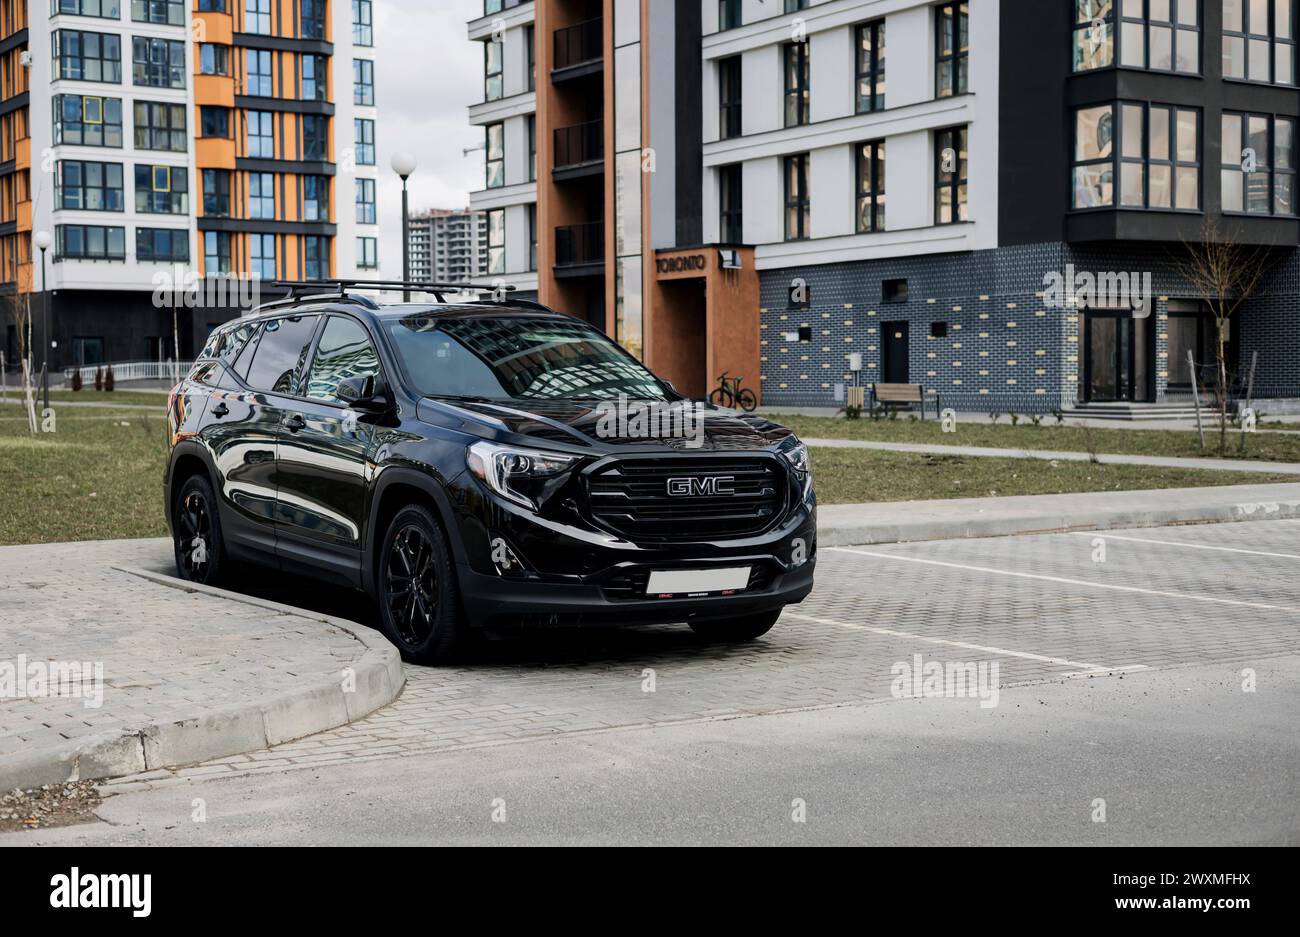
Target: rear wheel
(748, 402)
(419, 602)
(744, 628)
(196, 533)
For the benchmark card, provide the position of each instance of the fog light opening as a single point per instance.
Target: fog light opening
(504, 559)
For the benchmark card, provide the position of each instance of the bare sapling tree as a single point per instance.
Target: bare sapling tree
(1227, 273)
(19, 306)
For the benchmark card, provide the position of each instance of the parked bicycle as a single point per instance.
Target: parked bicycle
(729, 394)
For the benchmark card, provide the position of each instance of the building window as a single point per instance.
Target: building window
(871, 187)
(363, 23)
(1094, 34)
(104, 9)
(85, 120)
(364, 129)
(950, 176)
(794, 6)
(1259, 164)
(163, 12)
(212, 6)
(261, 195)
(496, 155)
(214, 59)
(796, 83)
(89, 242)
(496, 241)
(316, 198)
(1259, 40)
(87, 186)
(162, 245)
(493, 63)
(158, 63)
(83, 56)
(216, 252)
(871, 67)
(261, 255)
(797, 203)
(162, 190)
(729, 92)
(532, 237)
(1157, 149)
(313, 19)
(530, 124)
(363, 82)
(315, 137)
(953, 54)
(316, 255)
(261, 134)
(216, 192)
(530, 56)
(315, 78)
(367, 253)
(160, 126)
(257, 17)
(366, 211)
(893, 291)
(214, 121)
(258, 80)
(728, 14)
(731, 204)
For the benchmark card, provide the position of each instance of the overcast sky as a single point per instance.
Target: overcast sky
(427, 74)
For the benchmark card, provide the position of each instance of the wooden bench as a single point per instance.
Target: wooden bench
(893, 394)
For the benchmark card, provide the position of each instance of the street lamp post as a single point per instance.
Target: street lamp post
(43, 240)
(404, 165)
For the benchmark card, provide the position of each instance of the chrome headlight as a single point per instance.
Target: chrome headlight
(796, 454)
(524, 476)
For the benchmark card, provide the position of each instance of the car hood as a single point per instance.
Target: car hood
(611, 427)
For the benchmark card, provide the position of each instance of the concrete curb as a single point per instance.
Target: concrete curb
(836, 530)
(226, 730)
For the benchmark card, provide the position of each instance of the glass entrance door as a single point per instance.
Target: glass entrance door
(1115, 368)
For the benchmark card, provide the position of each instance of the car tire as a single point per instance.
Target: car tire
(196, 533)
(737, 630)
(419, 602)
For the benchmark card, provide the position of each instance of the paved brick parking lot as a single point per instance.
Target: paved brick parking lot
(1042, 607)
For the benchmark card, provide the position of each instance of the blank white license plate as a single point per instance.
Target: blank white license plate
(697, 581)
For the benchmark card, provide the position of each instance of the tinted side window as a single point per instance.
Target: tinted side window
(281, 353)
(345, 350)
(234, 340)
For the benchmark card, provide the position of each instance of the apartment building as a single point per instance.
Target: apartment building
(823, 194)
(210, 137)
(448, 246)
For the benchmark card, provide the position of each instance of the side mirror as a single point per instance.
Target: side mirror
(368, 393)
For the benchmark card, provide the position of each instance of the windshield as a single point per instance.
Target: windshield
(517, 358)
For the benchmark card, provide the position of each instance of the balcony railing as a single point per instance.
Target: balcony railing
(579, 144)
(578, 44)
(580, 244)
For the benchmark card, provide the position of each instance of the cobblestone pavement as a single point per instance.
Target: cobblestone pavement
(167, 654)
(1041, 607)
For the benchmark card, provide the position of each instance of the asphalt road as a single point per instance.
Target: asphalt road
(1151, 676)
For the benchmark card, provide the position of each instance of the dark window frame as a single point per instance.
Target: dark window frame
(958, 60)
(869, 160)
(798, 203)
(796, 77)
(730, 97)
(869, 67)
(959, 183)
(731, 203)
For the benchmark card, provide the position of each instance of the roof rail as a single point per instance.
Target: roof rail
(299, 288)
(523, 303)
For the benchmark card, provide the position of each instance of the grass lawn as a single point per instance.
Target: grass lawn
(848, 476)
(129, 398)
(91, 479)
(99, 476)
(1272, 447)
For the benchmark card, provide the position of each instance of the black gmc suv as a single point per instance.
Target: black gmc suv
(462, 464)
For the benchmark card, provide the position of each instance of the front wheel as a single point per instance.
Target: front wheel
(196, 533)
(721, 397)
(736, 630)
(419, 601)
(748, 402)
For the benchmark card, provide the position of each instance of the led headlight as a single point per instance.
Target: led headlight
(796, 454)
(524, 476)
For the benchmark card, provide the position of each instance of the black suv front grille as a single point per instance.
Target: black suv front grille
(633, 497)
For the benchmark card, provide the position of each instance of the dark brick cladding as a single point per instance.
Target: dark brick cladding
(1005, 350)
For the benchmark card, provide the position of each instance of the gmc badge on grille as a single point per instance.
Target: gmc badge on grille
(701, 487)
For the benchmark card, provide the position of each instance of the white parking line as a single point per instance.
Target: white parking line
(1067, 581)
(965, 645)
(1189, 546)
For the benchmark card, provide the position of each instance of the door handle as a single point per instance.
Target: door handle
(220, 410)
(295, 423)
